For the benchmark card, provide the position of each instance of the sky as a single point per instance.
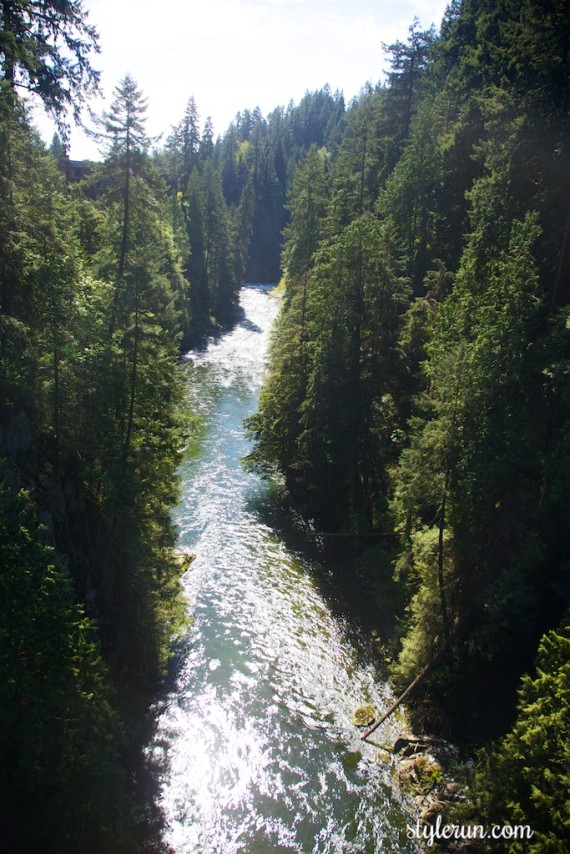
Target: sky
(232, 55)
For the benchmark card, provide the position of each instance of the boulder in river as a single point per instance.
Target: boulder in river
(184, 560)
(364, 716)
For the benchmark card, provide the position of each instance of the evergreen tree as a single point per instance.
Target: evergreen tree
(137, 399)
(465, 484)
(242, 217)
(222, 285)
(327, 409)
(409, 67)
(524, 779)
(277, 425)
(196, 264)
(45, 48)
(307, 207)
(189, 141)
(56, 148)
(356, 301)
(63, 787)
(357, 171)
(207, 140)
(411, 196)
(90, 419)
(123, 134)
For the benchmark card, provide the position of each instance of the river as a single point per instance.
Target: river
(254, 741)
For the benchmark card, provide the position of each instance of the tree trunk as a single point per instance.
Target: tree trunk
(124, 237)
(130, 420)
(561, 265)
(413, 685)
(440, 576)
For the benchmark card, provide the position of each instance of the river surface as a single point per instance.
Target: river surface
(254, 738)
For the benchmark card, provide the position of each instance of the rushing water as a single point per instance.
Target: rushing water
(255, 741)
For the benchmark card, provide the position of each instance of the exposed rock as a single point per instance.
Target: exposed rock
(407, 772)
(364, 716)
(420, 773)
(424, 767)
(431, 811)
(453, 791)
(410, 745)
(185, 560)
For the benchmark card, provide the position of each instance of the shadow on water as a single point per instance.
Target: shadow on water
(335, 569)
(238, 319)
(147, 772)
(146, 781)
(251, 327)
(355, 582)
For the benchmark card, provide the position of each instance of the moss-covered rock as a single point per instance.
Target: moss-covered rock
(364, 716)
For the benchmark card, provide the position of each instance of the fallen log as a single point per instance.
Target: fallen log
(417, 681)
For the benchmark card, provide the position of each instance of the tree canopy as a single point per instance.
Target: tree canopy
(46, 48)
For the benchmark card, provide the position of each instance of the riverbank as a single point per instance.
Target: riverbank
(430, 769)
(357, 580)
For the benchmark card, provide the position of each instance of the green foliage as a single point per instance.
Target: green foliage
(360, 162)
(525, 778)
(222, 285)
(217, 234)
(426, 630)
(46, 49)
(182, 146)
(444, 419)
(410, 68)
(472, 461)
(130, 406)
(356, 301)
(412, 193)
(59, 736)
(93, 304)
(257, 160)
(327, 410)
(307, 207)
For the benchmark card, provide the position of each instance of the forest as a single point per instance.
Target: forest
(418, 389)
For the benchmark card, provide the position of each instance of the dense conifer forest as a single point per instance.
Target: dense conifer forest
(418, 390)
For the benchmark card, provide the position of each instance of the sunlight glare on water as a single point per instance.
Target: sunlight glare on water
(255, 741)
